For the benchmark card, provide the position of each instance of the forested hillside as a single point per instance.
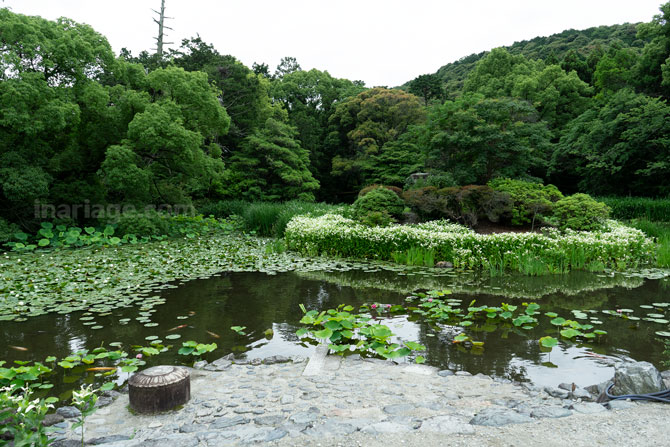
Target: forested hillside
(79, 125)
(572, 49)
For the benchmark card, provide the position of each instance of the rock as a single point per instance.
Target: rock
(619, 404)
(286, 399)
(103, 402)
(556, 392)
(219, 365)
(447, 425)
(331, 428)
(494, 417)
(52, 419)
(386, 427)
(550, 412)
(192, 428)
(445, 373)
(275, 434)
(223, 423)
(66, 443)
(588, 408)
(200, 365)
(597, 389)
(269, 420)
(581, 393)
(567, 386)
(444, 265)
(276, 359)
(69, 412)
(108, 439)
(462, 373)
(304, 417)
(398, 409)
(172, 441)
(636, 378)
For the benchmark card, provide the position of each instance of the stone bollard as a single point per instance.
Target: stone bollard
(160, 388)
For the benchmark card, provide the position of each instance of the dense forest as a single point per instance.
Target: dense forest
(584, 110)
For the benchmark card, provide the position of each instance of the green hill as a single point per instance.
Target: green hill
(553, 48)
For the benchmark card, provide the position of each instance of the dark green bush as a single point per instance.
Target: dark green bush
(7, 231)
(580, 212)
(379, 200)
(465, 204)
(530, 201)
(627, 208)
(145, 223)
(376, 219)
(223, 208)
(367, 189)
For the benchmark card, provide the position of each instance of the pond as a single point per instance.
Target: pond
(205, 309)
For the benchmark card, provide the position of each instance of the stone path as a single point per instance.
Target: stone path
(354, 402)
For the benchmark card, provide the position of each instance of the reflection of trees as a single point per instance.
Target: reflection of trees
(509, 286)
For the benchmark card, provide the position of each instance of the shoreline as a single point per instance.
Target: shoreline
(350, 401)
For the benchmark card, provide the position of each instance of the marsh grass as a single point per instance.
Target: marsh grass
(627, 208)
(415, 256)
(660, 231)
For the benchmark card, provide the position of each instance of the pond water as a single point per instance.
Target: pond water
(205, 309)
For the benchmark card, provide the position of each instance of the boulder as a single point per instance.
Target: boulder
(636, 378)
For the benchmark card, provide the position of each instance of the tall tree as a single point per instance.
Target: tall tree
(271, 165)
(362, 125)
(427, 86)
(161, 30)
(476, 139)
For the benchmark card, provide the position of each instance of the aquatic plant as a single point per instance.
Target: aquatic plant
(347, 332)
(617, 247)
(196, 349)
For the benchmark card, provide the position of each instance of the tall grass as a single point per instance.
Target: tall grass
(415, 256)
(659, 231)
(266, 218)
(627, 208)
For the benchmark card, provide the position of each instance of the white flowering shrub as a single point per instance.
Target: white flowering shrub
(616, 246)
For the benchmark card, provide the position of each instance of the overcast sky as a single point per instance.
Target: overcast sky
(382, 42)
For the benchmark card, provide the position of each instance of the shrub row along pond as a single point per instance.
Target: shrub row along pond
(615, 247)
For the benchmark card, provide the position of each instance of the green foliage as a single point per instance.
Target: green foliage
(7, 231)
(627, 208)
(465, 204)
(580, 212)
(196, 349)
(476, 139)
(379, 200)
(530, 201)
(427, 86)
(84, 400)
(22, 416)
(415, 256)
(271, 165)
(362, 126)
(346, 332)
(223, 208)
(129, 227)
(367, 189)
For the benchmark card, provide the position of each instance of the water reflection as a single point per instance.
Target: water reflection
(208, 308)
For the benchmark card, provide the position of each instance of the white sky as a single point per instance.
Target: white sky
(382, 42)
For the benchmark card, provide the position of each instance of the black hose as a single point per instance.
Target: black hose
(659, 396)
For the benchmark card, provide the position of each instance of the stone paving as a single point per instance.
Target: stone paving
(272, 402)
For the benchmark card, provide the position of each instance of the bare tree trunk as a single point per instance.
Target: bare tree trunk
(161, 26)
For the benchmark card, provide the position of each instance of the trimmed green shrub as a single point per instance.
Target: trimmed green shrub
(367, 189)
(379, 200)
(531, 201)
(627, 208)
(580, 212)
